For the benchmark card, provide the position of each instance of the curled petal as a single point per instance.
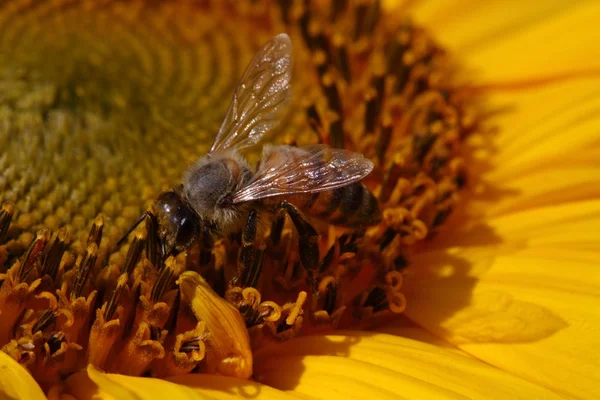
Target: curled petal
(95, 385)
(16, 382)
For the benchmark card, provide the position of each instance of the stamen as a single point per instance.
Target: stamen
(113, 301)
(164, 280)
(34, 252)
(187, 352)
(367, 15)
(330, 298)
(376, 299)
(327, 260)
(83, 270)
(96, 231)
(391, 180)
(54, 253)
(337, 8)
(6, 214)
(134, 253)
(47, 318)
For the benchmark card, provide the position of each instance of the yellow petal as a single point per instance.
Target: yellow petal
(546, 124)
(513, 39)
(97, 385)
(547, 149)
(372, 365)
(222, 387)
(16, 382)
(521, 292)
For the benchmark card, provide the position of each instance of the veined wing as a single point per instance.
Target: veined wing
(261, 94)
(288, 170)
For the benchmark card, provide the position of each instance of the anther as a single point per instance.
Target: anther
(84, 269)
(390, 181)
(336, 134)
(332, 95)
(164, 280)
(134, 253)
(193, 344)
(285, 7)
(314, 120)
(374, 102)
(113, 301)
(327, 260)
(95, 235)
(6, 214)
(45, 320)
(422, 144)
(340, 57)
(366, 15)
(330, 298)
(55, 341)
(34, 252)
(53, 255)
(337, 8)
(377, 299)
(400, 262)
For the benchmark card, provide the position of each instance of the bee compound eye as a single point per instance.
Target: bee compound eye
(187, 230)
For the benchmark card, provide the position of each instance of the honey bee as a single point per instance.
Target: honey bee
(220, 190)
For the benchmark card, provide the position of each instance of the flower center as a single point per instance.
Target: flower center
(106, 105)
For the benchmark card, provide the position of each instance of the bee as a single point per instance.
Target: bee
(221, 190)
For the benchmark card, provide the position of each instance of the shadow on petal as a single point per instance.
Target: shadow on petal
(442, 293)
(93, 384)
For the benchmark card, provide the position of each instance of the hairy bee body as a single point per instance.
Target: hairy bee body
(209, 187)
(350, 206)
(209, 184)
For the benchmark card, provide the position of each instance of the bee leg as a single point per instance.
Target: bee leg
(309, 246)
(250, 258)
(206, 246)
(277, 227)
(139, 221)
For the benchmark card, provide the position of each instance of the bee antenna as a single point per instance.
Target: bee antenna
(139, 221)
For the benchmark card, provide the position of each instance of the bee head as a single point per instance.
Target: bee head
(179, 225)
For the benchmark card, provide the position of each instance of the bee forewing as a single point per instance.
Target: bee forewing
(261, 94)
(288, 170)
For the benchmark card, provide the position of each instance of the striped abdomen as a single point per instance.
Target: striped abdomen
(300, 171)
(353, 205)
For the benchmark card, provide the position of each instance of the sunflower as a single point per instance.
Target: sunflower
(480, 118)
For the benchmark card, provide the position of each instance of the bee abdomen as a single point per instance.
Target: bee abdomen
(353, 205)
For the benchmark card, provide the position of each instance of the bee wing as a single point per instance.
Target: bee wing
(261, 94)
(288, 170)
